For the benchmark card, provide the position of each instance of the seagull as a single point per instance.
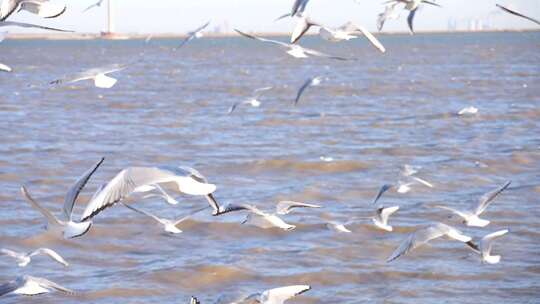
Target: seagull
(30, 286)
(339, 227)
(390, 12)
(97, 4)
(349, 31)
(168, 225)
(99, 75)
(194, 300)
(253, 101)
(412, 7)
(278, 295)
(517, 14)
(195, 34)
(286, 207)
(299, 6)
(426, 234)
(310, 82)
(471, 217)
(294, 50)
(128, 180)
(381, 217)
(24, 258)
(408, 179)
(42, 8)
(29, 25)
(468, 111)
(67, 227)
(265, 220)
(485, 247)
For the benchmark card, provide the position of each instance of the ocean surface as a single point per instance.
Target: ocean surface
(344, 139)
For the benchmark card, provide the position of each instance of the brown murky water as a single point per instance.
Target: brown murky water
(370, 116)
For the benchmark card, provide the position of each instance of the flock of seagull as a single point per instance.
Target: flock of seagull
(149, 180)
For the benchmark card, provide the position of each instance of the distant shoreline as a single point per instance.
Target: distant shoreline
(128, 36)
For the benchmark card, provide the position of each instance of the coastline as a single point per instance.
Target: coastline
(136, 36)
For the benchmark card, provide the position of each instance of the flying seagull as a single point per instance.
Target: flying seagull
(310, 82)
(485, 247)
(390, 12)
(195, 34)
(96, 4)
(29, 25)
(347, 31)
(265, 220)
(168, 225)
(468, 111)
(298, 8)
(67, 227)
(426, 234)
(253, 100)
(381, 217)
(517, 14)
(411, 6)
(128, 180)
(31, 286)
(99, 75)
(294, 50)
(471, 217)
(24, 258)
(42, 8)
(277, 295)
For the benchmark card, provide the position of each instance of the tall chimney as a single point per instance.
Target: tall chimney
(111, 28)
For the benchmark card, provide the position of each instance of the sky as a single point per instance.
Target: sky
(180, 16)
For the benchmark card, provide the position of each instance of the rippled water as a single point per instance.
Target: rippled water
(371, 116)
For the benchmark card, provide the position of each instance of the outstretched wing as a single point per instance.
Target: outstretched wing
(285, 207)
(157, 219)
(76, 188)
(51, 253)
(518, 14)
(383, 189)
(262, 39)
(125, 182)
(50, 217)
(282, 294)
(486, 199)
(29, 25)
(487, 241)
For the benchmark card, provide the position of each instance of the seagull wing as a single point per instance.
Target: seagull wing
(157, 219)
(299, 6)
(10, 253)
(285, 207)
(76, 188)
(50, 284)
(376, 43)
(410, 19)
(302, 26)
(44, 9)
(307, 83)
(421, 181)
(51, 253)
(487, 241)
(282, 44)
(487, 198)
(22, 24)
(50, 217)
(456, 212)
(518, 14)
(384, 213)
(125, 182)
(419, 238)
(8, 7)
(383, 189)
(282, 294)
(189, 215)
(260, 91)
(10, 286)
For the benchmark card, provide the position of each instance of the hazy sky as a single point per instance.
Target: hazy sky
(173, 16)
